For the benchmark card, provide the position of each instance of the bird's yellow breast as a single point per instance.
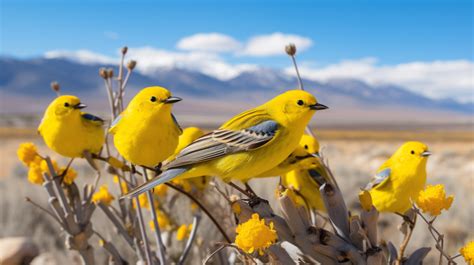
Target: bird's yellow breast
(245, 165)
(71, 136)
(403, 187)
(146, 141)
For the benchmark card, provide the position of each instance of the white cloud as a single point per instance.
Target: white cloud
(210, 42)
(436, 79)
(150, 59)
(81, 56)
(274, 44)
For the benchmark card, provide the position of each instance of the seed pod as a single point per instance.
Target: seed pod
(131, 64)
(110, 73)
(290, 49)
(103, 73)
(124, 50)
(55, 86)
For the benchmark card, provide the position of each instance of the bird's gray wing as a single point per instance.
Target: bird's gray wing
(380, 177)
(222, 142)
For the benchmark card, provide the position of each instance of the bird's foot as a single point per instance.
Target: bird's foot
(255, 200)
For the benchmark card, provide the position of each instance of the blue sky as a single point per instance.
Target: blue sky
(377, 33)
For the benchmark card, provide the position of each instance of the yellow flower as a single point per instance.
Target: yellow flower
(183, 232)
(143, 200)
(468, 252)
(255, 235)
(160, 190)
(35, 175)
(433, 199)
(27, 152)
(45, 168)
(70, 176)
(103, 196)
(163, 220)
(365, 200)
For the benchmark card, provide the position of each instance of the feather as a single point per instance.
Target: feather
(380, 177)
(222, 142)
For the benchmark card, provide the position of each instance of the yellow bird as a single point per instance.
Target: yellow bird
(399, 180)
(187, 137)
(306, 181)
(300, 158)
(247, 145)
(70, 132)
(146, 132)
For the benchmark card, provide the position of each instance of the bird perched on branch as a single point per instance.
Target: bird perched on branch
(247, 145)
(69, 131)
(400, 179)
(300, 158)
(187, 137)
(146, 132)
(306, 181)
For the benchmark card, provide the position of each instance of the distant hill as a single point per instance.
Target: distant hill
(29, 81)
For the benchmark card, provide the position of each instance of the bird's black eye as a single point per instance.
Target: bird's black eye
(412, 152)
(66, 104)
(300, 102)
(305, 146)
(153, 99)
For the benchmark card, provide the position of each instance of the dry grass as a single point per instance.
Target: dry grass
(353, 156)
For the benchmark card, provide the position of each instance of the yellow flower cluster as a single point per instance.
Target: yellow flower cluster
(27, 152)
(163, 221)
(70, 175)
(103, 196)
(255, 235)
(468, 253)
(433, 200)
(183, 232)
(35, 174)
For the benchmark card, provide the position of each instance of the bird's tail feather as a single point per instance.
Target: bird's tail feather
(164, 177)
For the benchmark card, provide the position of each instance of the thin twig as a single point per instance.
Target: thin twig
(203, 209)
(154, 216)
(44, 210)
(403, 246)
(141, 223)
(189, 243)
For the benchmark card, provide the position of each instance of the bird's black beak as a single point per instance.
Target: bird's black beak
(426, 153)
(79, 106)
(172, 100)
(318, 106)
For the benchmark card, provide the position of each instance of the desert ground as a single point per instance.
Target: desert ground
(353, 155)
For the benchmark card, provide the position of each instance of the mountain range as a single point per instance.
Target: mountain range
(24, 87)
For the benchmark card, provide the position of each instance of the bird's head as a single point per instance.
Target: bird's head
(65, 106)
(310, 144)
(153, 100)
(412, 152)
(294, 106)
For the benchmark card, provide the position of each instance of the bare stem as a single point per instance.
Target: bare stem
(43, 209)
(154, 216)
(403, 246)
(189, 243)
(219, 227)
